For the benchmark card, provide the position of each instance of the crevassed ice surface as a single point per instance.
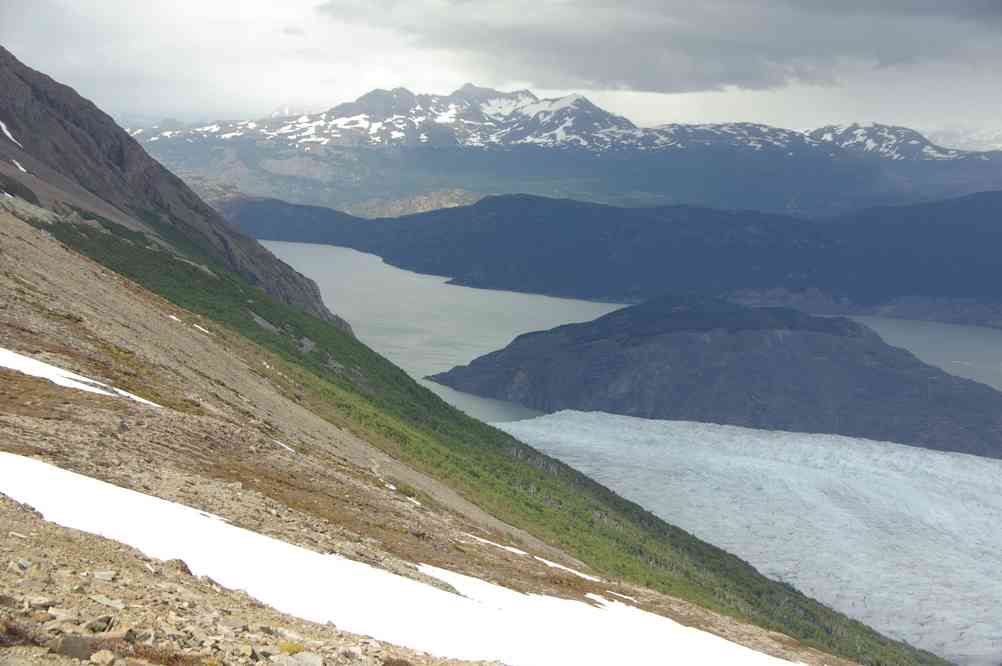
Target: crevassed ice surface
(904, 539)
(488, 622)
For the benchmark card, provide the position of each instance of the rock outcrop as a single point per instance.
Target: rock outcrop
(70, 154)
(774, 368)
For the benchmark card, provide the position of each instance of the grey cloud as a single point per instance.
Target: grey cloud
(676, 46)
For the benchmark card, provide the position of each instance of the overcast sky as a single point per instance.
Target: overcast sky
(793, 63)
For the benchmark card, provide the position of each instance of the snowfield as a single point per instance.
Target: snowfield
(488, 622)
(60, 377)
(907, 540)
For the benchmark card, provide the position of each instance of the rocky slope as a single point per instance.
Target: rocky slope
(69, 154)
(69, 597)
(698, 360)
(310, 453)
(395, 145)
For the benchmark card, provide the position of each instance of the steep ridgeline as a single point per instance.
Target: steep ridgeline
(929, 261)
(395, 145)
(60, 150)
(692, 359)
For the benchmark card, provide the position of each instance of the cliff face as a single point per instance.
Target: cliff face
(771, 368)
(72, 154)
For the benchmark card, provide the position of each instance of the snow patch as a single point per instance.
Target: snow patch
(287, 448)
(18, 165)
(207, 332)
(550, 106)
(554, 565)
(9, 135)
(448, 116)
(510, 549)
(505, 106)
(60, 377)
(479, 625)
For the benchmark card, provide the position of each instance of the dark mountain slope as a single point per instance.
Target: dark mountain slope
(76, 155)
(938, 251)
(703, 360)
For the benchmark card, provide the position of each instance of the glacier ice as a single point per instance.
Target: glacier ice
(905, 539)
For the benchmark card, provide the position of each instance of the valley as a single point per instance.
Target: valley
(698, 367)
(238, 431)
(822, 511)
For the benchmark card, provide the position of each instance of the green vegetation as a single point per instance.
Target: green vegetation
(349, 384)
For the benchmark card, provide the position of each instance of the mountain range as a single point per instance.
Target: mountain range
(935, 261)
(482, 117)
(393, 145)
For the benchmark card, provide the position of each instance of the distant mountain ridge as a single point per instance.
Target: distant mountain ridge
(890, 142)
(474, 116)
(693, 359)
(934, 261)
(390, 147)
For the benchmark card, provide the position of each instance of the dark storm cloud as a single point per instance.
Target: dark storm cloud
(675, 46)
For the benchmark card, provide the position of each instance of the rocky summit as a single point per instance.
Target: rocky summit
(59, 150)
(774, 368)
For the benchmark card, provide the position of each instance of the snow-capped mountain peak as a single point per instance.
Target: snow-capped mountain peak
(886, 141)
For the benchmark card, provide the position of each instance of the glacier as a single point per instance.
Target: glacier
(904, 539)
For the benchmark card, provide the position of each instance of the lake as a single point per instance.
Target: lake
(425, 325)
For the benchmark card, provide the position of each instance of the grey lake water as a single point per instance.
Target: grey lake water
(425, 325)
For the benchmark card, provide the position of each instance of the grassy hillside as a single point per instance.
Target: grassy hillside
(347, 383)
